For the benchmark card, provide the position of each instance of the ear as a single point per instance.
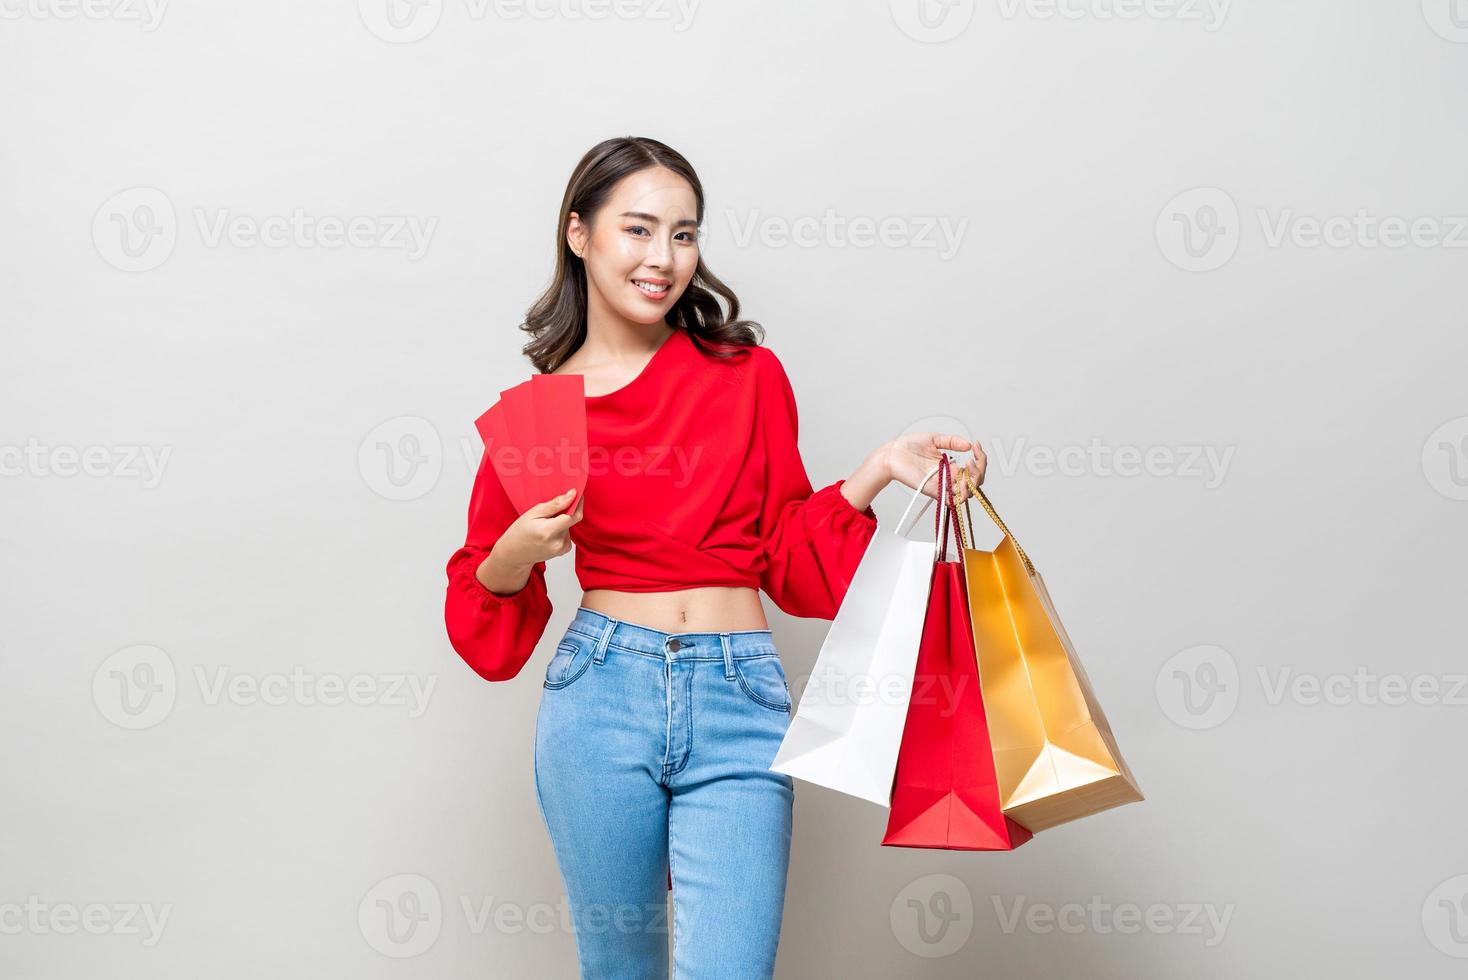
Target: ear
(576, 233)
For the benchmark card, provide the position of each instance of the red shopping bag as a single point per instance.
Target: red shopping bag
(945, 792)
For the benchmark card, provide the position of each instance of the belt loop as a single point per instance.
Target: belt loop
(601, 642)
(728, 657)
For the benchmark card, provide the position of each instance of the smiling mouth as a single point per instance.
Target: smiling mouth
(652, 289)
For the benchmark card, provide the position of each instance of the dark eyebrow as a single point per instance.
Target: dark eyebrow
(652, 220)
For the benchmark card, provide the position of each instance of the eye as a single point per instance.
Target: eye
(690, 237)
(637, 230)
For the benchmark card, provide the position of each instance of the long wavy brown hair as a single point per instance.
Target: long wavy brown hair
(557, 321)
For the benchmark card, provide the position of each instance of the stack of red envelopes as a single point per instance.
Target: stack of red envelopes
(536, 438)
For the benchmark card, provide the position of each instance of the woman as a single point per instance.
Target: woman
(665, 700)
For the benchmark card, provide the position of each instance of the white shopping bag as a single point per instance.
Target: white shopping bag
(848, 725)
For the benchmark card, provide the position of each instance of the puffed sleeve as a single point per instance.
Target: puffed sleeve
(495, 634)
(813, 541)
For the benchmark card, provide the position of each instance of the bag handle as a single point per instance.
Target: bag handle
(903, 528)
(975, 491)
(949, 510)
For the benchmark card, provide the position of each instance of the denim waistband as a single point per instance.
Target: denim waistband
(607, 631)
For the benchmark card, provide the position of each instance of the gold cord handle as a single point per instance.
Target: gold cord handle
(975, 491)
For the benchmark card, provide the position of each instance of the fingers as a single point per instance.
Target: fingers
(956, 443)
(553, 506)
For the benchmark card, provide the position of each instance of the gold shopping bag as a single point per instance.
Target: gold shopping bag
(1054, 752)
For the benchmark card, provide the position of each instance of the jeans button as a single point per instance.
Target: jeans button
(674, 645)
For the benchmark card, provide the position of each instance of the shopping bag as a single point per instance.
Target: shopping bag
(1054, 752)
(846, 729)
(945, 792)
(536, 436)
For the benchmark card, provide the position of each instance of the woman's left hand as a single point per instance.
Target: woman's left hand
(911, 455)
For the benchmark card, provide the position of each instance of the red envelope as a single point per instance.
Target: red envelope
(536, 437)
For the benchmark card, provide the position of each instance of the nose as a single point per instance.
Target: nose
(660, 252)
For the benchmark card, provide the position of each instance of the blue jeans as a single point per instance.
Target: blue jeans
(653, 750)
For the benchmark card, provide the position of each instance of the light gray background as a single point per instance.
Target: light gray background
(1119, 172)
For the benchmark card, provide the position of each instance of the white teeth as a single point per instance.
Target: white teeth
(649, 288)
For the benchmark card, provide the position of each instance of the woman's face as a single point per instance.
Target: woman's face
(640, 248)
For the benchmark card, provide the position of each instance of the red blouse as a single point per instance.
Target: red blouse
(695, 479)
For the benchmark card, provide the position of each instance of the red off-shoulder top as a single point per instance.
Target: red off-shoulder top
(695, 479)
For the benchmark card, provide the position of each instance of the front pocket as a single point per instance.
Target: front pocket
(569, 662)
(762, 679)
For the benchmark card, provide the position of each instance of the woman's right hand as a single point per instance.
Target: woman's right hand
(539, 534)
